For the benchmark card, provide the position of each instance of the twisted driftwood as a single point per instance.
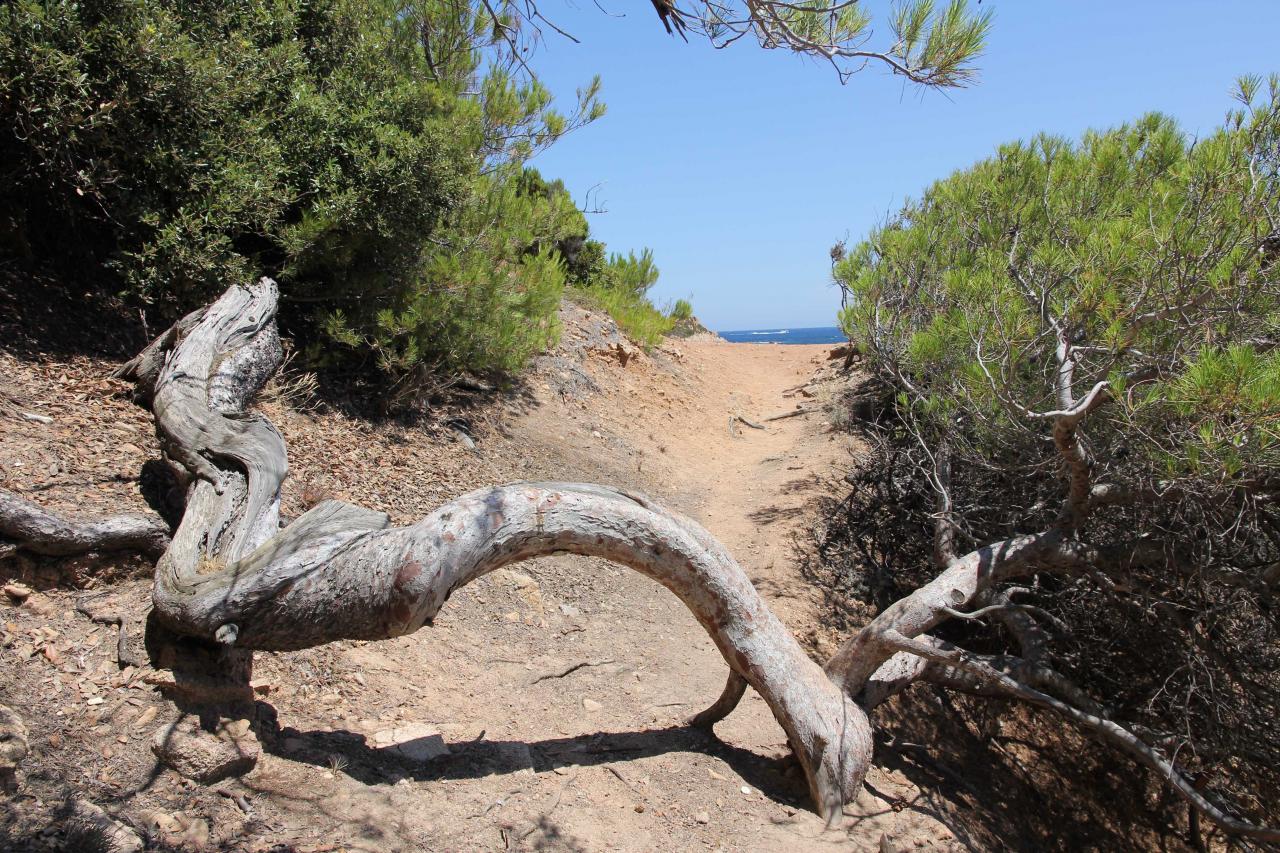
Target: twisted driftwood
(231, 581)
(39, 531)
(232, 578)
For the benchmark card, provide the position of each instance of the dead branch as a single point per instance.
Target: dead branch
(734, 419)
(855, 663)
(792, 414)
(124, 657)
(42, 532)
(231, 581)
(236, 582)
(569, 670)
(1107, 730)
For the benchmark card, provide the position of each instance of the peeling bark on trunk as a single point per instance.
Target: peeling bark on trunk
(232, 581)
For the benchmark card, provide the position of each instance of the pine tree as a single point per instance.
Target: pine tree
(1080, 340)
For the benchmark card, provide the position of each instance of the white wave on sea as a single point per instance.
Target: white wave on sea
(813, 335)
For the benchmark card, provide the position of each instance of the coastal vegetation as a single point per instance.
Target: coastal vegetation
(370, 156)
(620, 287)
(1072, 355)
(1078, 346)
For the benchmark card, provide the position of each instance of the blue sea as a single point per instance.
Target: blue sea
(815, 335)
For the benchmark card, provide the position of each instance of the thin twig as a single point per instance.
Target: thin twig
(570, 670)
(791, 414)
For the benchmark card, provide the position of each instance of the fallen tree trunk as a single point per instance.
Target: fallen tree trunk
(234, 582)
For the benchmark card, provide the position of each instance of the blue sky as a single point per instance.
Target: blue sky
(741, 167)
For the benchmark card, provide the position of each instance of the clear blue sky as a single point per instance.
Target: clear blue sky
(740, 168)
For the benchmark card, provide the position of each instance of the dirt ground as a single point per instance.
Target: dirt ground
(545, 708)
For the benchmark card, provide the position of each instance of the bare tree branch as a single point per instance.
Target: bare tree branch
(42, 532)
(234, 580)
(1112, 733)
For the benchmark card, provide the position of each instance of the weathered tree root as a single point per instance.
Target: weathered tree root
(91, 829)
(39, 531)
(233, 579)
(735, 687)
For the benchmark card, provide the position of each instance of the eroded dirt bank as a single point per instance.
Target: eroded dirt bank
(543, 711)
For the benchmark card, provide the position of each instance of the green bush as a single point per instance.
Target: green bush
(1081, 340)
(635, 315)
(189, 145)
(618, 286)
(485, 298)
(631, 274)
(1147, 255)
(357, 150)
(682, 310)
(584, 260)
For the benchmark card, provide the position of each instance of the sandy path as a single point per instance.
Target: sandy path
(667, 429)
(755, 487)
(752, 488)
(560, 686)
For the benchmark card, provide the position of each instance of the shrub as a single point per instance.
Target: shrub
(484, 300)
(618, 287)
(635, 315)
(186, 145)
(631, 274)
(1083, 341)
(584, 260)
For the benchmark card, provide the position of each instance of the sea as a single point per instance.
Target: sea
(813, 335)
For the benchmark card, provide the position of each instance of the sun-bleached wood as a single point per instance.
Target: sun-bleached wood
(231, 581)
(42, 532)
(232, 577)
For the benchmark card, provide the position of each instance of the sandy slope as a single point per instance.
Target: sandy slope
(557, 688)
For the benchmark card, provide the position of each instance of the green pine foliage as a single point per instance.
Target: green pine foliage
(1153, 253)
(1081, 338)
(190, 145)
(615, 283)
(584, 260)
(638, 318)
(619, 287)
(487, 293)
(931, 44)
(631, 274)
